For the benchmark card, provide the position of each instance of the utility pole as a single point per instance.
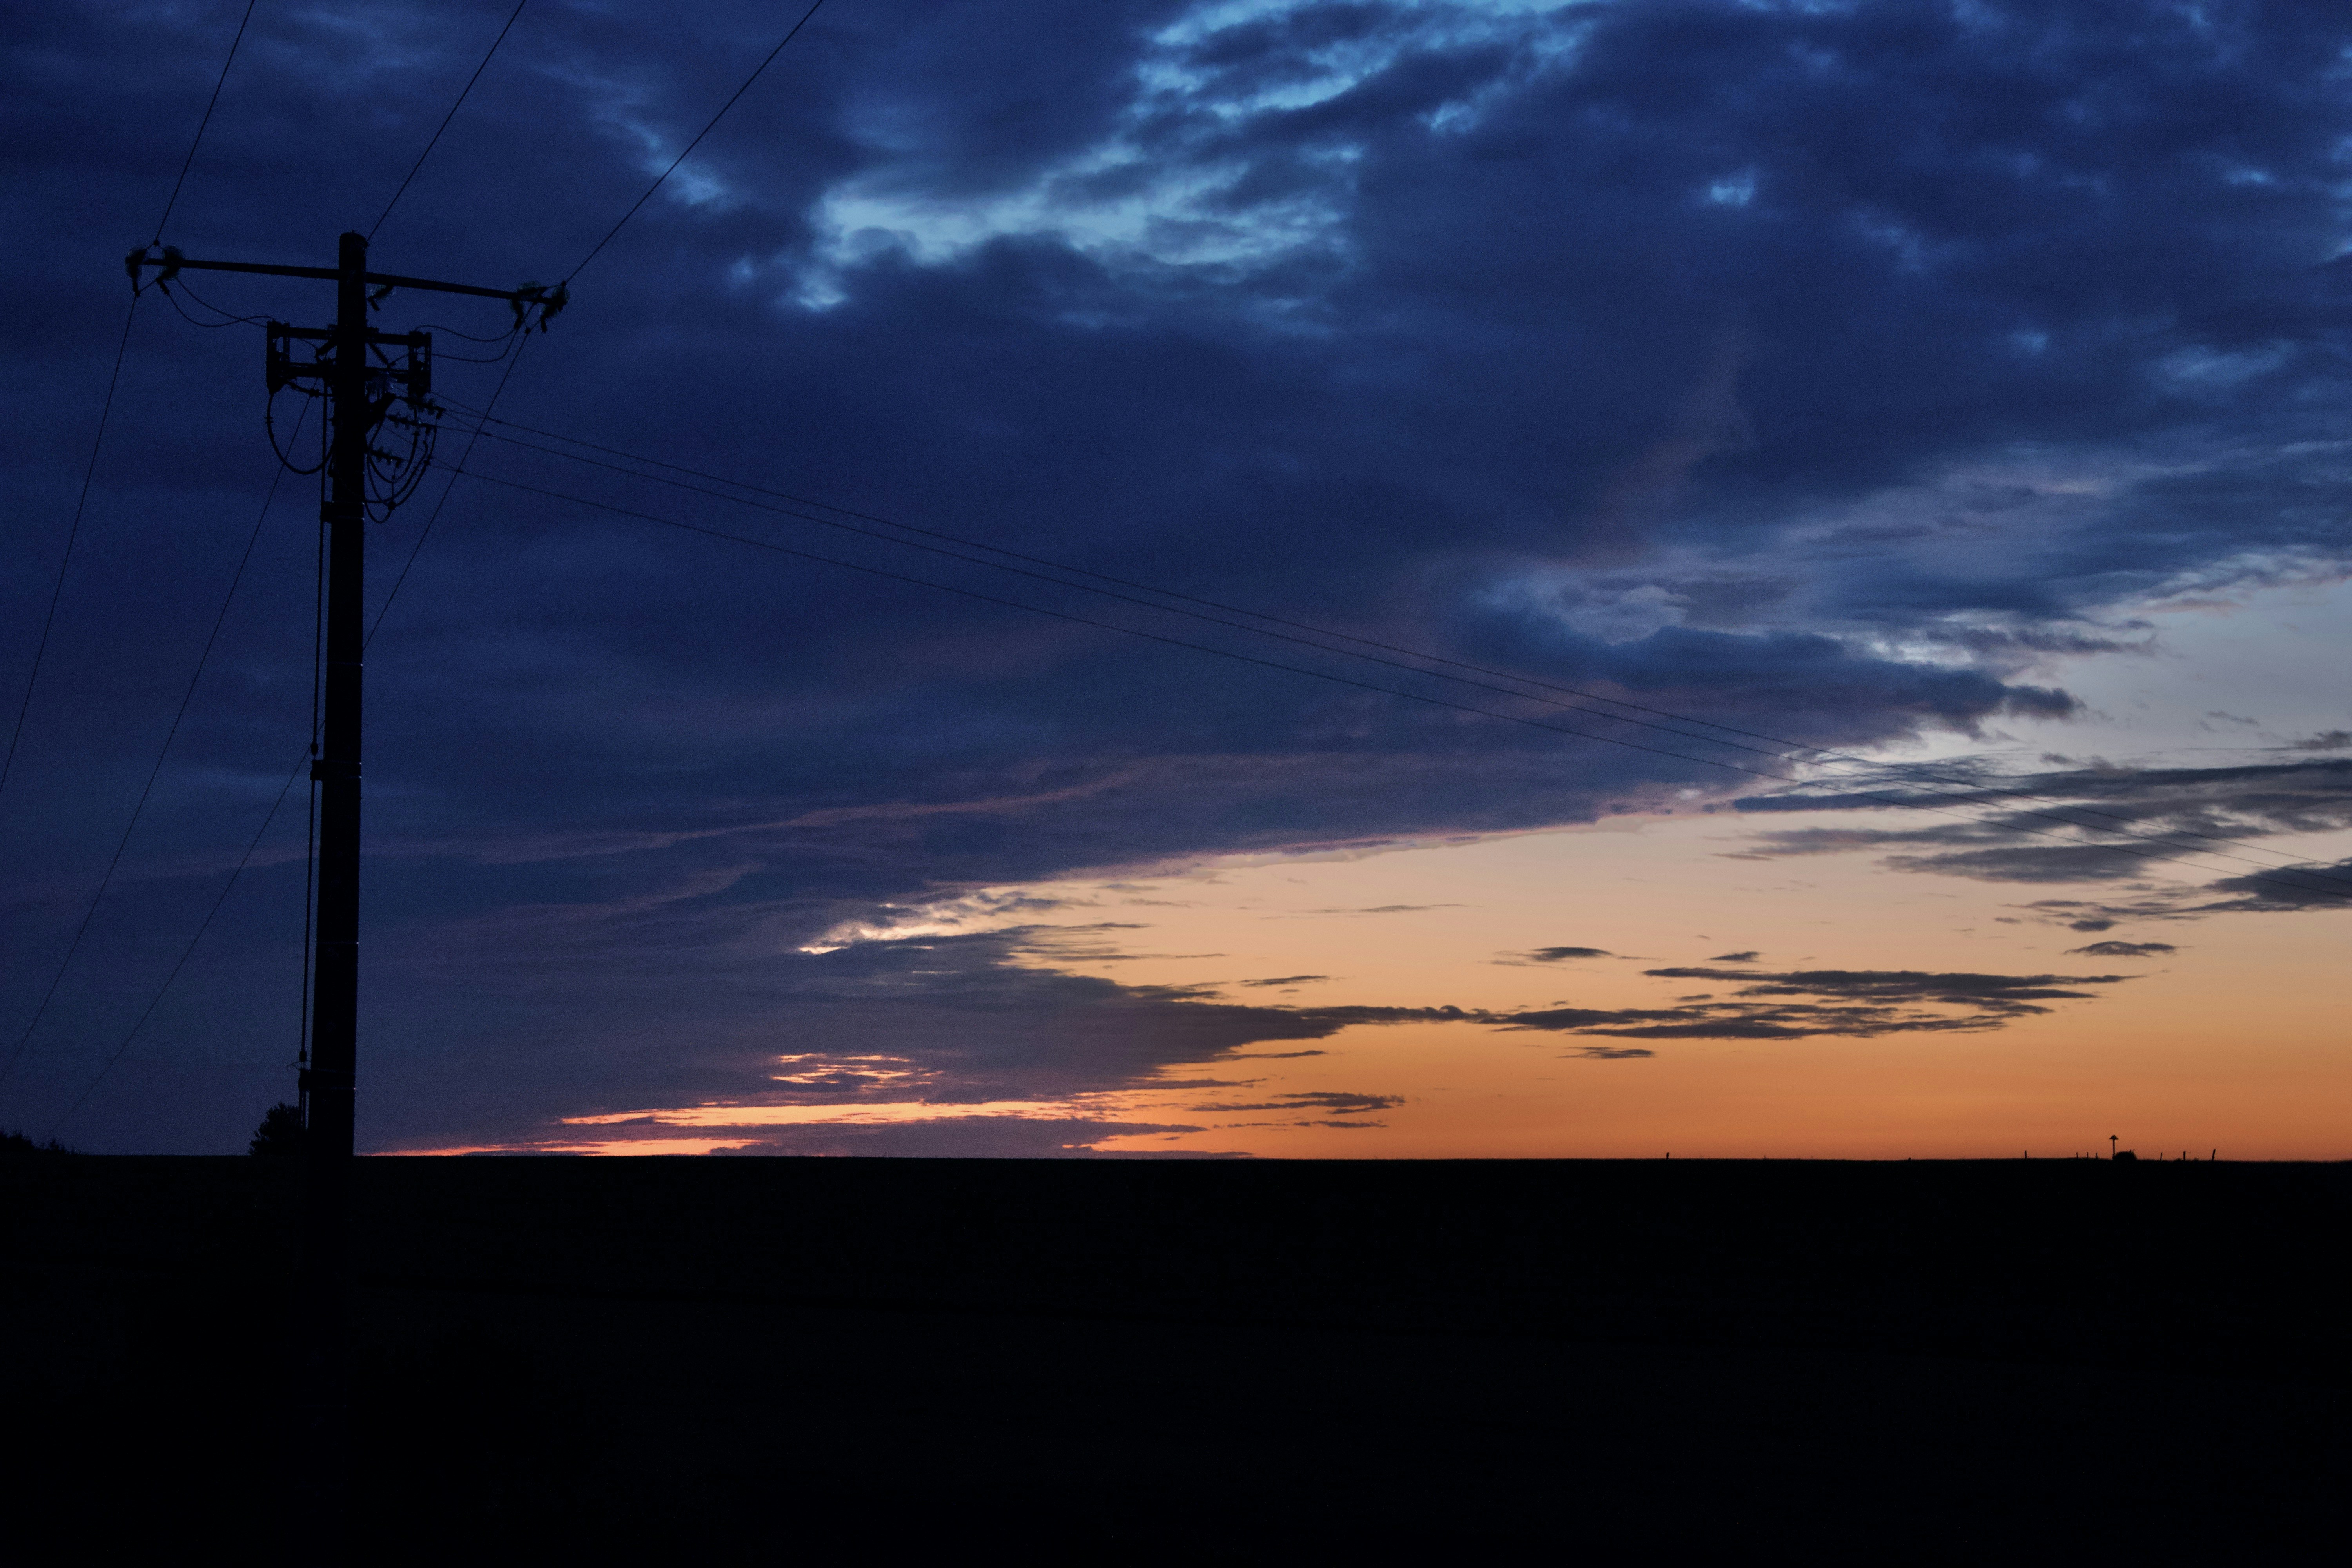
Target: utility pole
(358, 377)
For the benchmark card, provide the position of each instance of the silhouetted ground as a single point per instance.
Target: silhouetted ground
(848, 1359)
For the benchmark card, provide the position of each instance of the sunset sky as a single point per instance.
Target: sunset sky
(1605, 579)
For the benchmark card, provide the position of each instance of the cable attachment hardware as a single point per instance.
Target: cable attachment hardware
(282, 369)
(550, 300)
(139, 259)
(402, 372)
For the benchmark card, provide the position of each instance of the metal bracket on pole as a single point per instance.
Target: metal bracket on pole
(415, 374)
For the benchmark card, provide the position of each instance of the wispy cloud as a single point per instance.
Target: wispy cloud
(1863, 1003)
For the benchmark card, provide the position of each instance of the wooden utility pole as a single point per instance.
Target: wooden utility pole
(359, 379)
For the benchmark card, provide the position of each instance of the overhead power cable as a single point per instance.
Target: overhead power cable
(162, 752)
(1910, 774)
(427, 532)
(1148, 604)
(459, 467)
(446, 118)
(269, 817)
(690, 146)
(172, 295)
(512, 358)
(205, 924)
(469, 337)
(189, 162)
(2144, 848)
(186, 953)
(1973, 791)
(73, 532)
(106, 407)
(310, 799)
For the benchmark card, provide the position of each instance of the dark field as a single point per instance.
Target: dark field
(854, 1359)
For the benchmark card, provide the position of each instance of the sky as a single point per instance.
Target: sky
(1277, 579)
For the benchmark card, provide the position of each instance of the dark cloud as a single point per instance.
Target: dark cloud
(978, 1137)
(1734, 1022)
(1992, 993)
(1558, 955)
(2301, 797)
(2303, 887)
(1671, 350)
(1864, 1002)
(2099, 824)
(963, 1019)
(2033, 863)
(1337, 1103)
(975, 1019)
(1388, 910)
(1748, 957)
(2125, 950)
(1286, 980)
(947, 1020)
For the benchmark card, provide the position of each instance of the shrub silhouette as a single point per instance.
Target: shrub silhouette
(15, 1142)
(280, 1131)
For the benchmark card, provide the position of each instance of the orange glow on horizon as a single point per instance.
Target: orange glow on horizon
(2226, 1043)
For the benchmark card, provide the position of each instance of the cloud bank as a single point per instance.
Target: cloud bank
(1817, 371)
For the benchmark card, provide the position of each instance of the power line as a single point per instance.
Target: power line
(427, 532)
(187, 953)
(162, 752)
(512, 361)
(2133, 848)
(226, 320)
(1976, 789)
(1146, 603)
(271, 814)
(446, 119)
(105, 407)
(690, 146)
(1911, 774)
(189, 162)
(469, 337)
(1129, 582)
(422, 533)
(309, 804)
(73, 532)
(513, 357)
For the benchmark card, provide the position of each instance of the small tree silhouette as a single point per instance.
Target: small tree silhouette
(280, 1131)
(15, 1142)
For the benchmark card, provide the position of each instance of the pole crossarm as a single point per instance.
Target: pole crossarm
(170, 264)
